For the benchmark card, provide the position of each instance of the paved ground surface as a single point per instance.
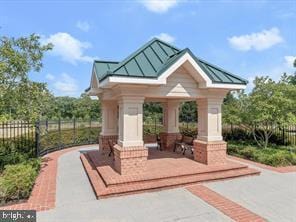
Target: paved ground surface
(271, 195)
(75, 201)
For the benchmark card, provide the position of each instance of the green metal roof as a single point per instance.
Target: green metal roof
(153, 58)
(102, 67)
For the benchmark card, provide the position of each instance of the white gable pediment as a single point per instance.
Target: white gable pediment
(186, 61)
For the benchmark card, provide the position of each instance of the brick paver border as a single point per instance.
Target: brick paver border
(43, 194)
(286, 169)
(226, 206)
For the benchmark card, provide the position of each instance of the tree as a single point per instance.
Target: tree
(66, 107)
(270, 104)
(294, 63)
(18, 57)
(188, 112)
(232, 107)
(289, 79)
(31, 100)
(87, 108)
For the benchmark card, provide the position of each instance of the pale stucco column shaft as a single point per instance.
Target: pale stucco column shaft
(109, 117)
(209, 119)
(171, 116)
(130, 121)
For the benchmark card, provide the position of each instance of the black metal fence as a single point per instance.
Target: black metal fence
(17, 135)
(41, 137)
(280, 135)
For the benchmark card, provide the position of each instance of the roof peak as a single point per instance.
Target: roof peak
(141, 49)
(164, 42)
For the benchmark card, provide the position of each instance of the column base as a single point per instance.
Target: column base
(168, 140)
(210, 153)
(103, 141)
(130, 160)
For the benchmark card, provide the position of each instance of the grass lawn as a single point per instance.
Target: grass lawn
(272, 155)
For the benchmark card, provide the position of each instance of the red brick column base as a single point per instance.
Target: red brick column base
(130, 160)
(168, 140)
(210, 153)
(103, 141)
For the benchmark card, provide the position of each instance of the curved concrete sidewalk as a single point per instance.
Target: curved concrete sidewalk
(75, 201)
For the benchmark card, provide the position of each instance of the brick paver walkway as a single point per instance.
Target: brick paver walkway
(228, 207)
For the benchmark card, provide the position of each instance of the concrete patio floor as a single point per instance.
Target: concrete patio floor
(270, 195)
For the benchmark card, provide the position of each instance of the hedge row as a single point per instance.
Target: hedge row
(273, 156)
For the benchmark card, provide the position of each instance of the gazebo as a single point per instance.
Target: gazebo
(160, 72)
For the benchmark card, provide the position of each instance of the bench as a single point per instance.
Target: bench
(186, 143)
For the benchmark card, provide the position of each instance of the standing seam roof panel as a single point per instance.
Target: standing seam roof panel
(220, 74)
(132, 68)
(161, 54)
(168, 50)
(234, 80)
(121, 71)
(210, 74)
(145, 65)
(154, 60)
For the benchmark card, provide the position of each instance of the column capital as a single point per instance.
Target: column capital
(131, 99)
(210, 100)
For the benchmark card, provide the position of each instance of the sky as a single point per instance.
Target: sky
(248, 38)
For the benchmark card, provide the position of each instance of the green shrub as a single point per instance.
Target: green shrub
(16, 181)
(272, 156)
(236, 134)
(188, 131)
(67, 137)
(16, 150)
(151, 129)
(249, 153)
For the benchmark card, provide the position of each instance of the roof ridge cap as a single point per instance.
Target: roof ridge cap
(105, 61)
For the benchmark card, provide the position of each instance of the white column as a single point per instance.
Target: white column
(209, 119)
(171, 116)
(109, 117)
(130, 121)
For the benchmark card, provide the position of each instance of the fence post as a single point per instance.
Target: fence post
(155, 119)
(283, 135)
(37, 138)
(60, 133)
(74, 128)
(89, 130)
